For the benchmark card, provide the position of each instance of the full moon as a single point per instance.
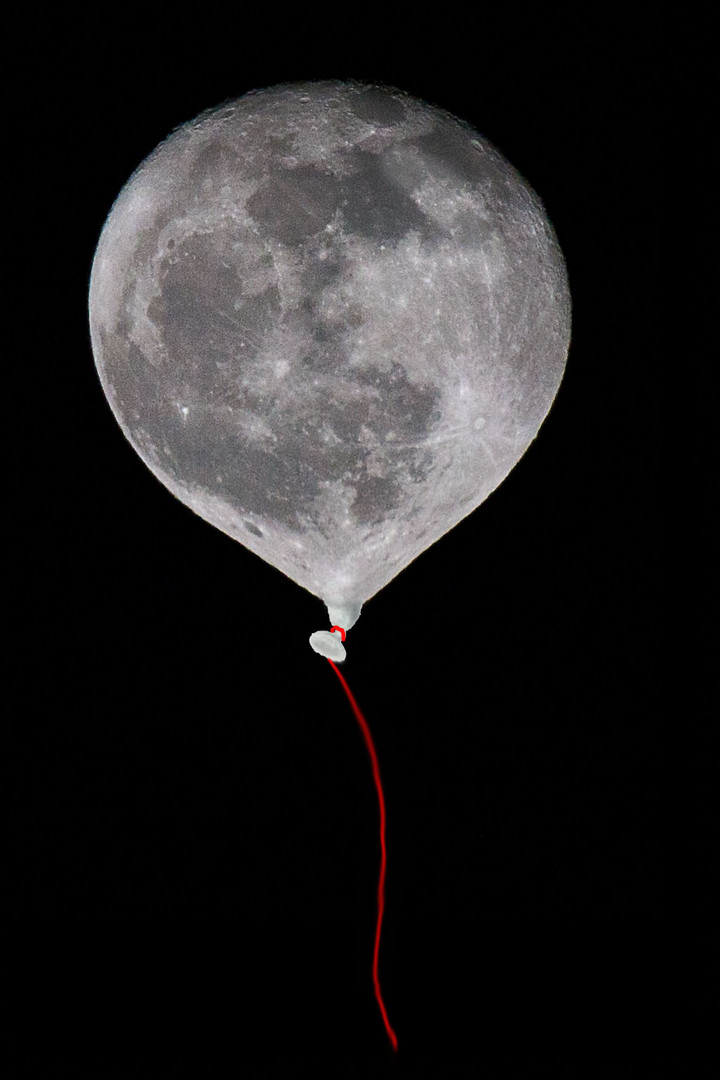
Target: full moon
(330, 318)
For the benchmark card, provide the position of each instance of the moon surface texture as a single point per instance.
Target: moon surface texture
(330, 318)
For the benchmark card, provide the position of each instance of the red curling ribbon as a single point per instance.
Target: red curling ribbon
(383, 860)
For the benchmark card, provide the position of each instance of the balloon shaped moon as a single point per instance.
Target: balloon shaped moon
(330, 318)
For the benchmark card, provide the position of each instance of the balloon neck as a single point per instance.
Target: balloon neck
(343, 614)
(329, 643)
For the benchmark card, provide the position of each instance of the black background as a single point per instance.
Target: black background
(194, 851)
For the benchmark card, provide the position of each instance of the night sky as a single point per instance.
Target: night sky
(193, 854)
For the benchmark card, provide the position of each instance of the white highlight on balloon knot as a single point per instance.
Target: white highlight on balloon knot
(329, 643)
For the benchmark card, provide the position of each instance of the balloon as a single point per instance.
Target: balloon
(330, 318)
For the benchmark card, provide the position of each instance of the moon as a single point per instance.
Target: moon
(330, 318)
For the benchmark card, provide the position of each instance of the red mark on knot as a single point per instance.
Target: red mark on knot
(334, 628)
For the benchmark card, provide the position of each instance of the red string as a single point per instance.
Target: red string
(381, 884)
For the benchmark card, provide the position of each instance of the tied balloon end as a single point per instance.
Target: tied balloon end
(329, 643)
